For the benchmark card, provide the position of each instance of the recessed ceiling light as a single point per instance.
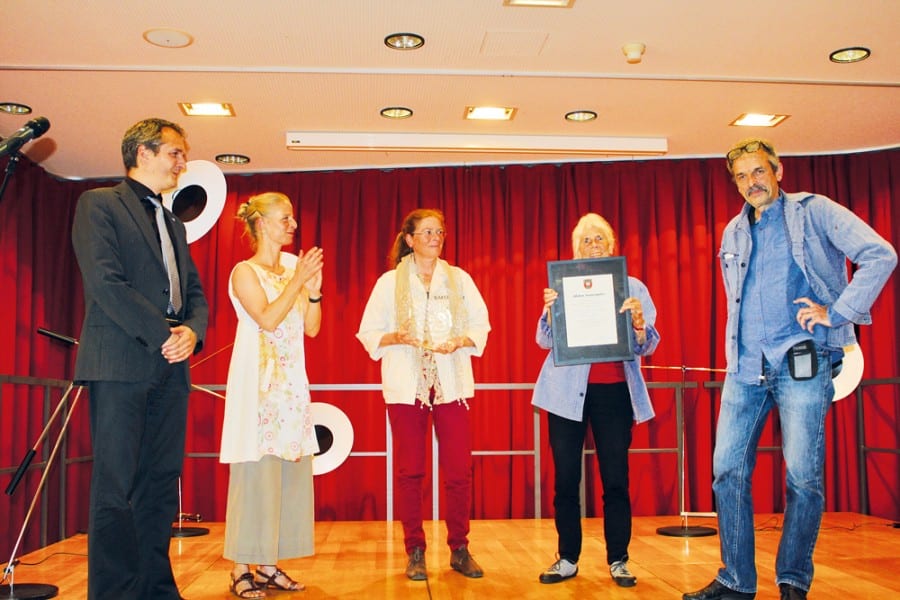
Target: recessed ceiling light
(206, 109)
(404, 41)
(396, 112)
(579, 116)
(546, 3)
(490, 113)
(14, 108)
(232, 159)
(168, 38)
(850, 55)
(758, 120)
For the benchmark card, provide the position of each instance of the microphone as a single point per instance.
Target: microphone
(57, 336)
(33, 129)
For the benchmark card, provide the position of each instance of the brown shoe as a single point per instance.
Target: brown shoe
(462, 561)
(415, 568)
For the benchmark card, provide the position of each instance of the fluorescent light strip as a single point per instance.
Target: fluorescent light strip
(446, 142)
(541, 3)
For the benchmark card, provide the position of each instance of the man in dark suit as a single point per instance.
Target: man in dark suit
(144, 317)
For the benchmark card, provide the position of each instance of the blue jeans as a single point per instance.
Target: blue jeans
(802, 407)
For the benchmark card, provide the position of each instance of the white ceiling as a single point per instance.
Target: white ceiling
(304, 65)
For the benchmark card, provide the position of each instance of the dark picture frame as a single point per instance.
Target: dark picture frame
(596, 288)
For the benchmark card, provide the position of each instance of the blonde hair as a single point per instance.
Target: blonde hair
(255, 207)
(588, 221)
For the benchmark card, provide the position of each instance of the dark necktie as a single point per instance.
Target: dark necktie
(168, 252)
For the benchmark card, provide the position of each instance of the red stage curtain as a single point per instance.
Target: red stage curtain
(504, 224)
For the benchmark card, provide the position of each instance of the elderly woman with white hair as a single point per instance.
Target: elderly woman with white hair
(608, 396)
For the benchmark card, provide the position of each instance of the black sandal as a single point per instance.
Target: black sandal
(270, 582)
(254, 589)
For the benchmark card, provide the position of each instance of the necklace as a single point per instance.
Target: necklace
(425, 278)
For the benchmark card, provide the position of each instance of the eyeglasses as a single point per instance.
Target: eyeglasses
(748, 148)
(597, 239)
(430, 233)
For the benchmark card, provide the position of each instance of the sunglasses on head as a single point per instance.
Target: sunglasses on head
(748, 148)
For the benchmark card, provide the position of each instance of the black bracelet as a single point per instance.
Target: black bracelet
(314, 300)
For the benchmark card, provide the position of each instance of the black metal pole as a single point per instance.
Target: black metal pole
(10, 169)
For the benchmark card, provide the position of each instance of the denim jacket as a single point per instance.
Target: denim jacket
(561, 389)
(822, 234)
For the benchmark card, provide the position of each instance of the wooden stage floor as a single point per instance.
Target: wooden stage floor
(857, 557)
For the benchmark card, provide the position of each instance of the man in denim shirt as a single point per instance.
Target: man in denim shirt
(791, 310)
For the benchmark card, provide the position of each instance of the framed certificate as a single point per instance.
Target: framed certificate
(586, 323)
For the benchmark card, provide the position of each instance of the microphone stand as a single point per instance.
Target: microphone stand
(36, 591)
(42, 591)
(10, 169)
(684, 530)
(182, 531)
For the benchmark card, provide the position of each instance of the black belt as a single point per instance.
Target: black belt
(173, 321)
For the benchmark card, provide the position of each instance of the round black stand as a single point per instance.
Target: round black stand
(686, 531)
(34, 591)
(180, 532)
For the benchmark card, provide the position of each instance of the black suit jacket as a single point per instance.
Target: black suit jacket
(126, 288)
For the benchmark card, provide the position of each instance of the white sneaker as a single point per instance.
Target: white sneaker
(621, 575)
(559, 571)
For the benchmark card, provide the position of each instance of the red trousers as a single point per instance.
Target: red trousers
(409, 429)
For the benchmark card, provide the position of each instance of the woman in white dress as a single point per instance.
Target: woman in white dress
(268, 436)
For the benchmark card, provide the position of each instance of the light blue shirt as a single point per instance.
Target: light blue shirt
(768, 324)
(561, 390)
(821, 235)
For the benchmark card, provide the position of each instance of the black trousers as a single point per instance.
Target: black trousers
(607, 409)
(138, 436)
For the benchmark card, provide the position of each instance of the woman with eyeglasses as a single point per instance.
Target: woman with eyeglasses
(607, 396)
(424, 321)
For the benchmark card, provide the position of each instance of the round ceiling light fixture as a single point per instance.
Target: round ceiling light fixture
(168, 38)
(404, 41)
(232, 159)
(580, 116)
(850, 55)
(396, 112)
(15, 108)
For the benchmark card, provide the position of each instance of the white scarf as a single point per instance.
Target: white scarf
(428, 375)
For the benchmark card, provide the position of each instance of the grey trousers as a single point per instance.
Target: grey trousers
(270, 512)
